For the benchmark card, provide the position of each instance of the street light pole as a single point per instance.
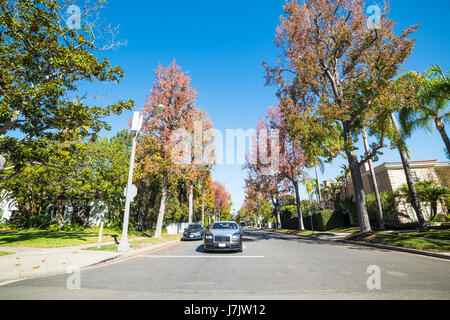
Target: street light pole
(131, 190)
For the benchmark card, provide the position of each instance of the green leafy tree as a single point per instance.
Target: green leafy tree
(42, 62)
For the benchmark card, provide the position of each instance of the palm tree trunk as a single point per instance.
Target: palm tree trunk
(162, 208)
(358, 187)
(318, 187)
(441, 128)
(409, 180)
(301, 226)
(374, 182)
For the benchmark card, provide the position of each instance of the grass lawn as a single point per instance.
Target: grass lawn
(54, 239)
(435, 234)
(301, 233)
(413, 240)
(4, 253)
(137, 244)
(345, 230)
(410, 240)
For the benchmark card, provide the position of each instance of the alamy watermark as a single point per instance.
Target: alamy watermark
(212, 147)
(374, 280)
(74, 280)
(374, 19)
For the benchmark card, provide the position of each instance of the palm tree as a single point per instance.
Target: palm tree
(309, 189)
(317, 163)
(406, 81)
(427, 192)
(432, 106)
(432, 193)
(347, 174)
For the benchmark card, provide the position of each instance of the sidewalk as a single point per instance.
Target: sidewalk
(33, 262)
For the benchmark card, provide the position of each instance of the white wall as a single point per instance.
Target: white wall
(99, 209)
(7, 205)
(175, 228)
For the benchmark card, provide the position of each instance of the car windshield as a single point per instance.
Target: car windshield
(224, 225)
(194, 227)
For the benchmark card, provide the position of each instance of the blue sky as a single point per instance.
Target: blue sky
(223, 44)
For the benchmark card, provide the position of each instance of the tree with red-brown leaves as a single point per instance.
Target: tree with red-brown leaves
(334, 71)
(172, 90)
(222, 201)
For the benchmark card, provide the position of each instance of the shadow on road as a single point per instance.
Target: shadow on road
(259, 235)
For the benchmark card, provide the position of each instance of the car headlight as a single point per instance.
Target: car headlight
(236, 236)
(209, 236)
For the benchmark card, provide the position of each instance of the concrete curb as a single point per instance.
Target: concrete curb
(374, 245)
(119, 258)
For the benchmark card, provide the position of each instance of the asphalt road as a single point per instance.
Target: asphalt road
(272, 266)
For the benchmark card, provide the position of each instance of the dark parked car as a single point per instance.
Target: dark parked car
(223, 235)
(194, 231)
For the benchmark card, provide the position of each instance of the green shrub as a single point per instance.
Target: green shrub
(402, 226)
(389, 206)
(324, 220)
(441, 218)
(288, 212)
(37, 221)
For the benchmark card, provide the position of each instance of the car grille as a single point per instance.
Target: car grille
(222, 239)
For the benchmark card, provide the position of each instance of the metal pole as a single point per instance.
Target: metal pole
(100, 235)
(312, 226)
(123, 245)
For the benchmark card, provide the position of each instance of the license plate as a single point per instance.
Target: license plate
(191, 236)
(222, 245)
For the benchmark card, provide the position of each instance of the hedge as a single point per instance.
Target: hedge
(323, 220)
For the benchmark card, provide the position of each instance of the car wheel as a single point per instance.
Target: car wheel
(205, 249)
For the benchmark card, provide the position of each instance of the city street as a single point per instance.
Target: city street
(272, 266)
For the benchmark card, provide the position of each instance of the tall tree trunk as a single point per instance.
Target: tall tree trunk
(203, 211)
(374, 182)
(319, 193)
(347, 196)
(191, 202)
(276, 205)
(162, 209)
(360, 196)
(409, 180)
(301, 226)
(441, 128)
(59, 212)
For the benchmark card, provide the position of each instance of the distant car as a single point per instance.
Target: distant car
(242, 224)
(223, 235)
(194, 231)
